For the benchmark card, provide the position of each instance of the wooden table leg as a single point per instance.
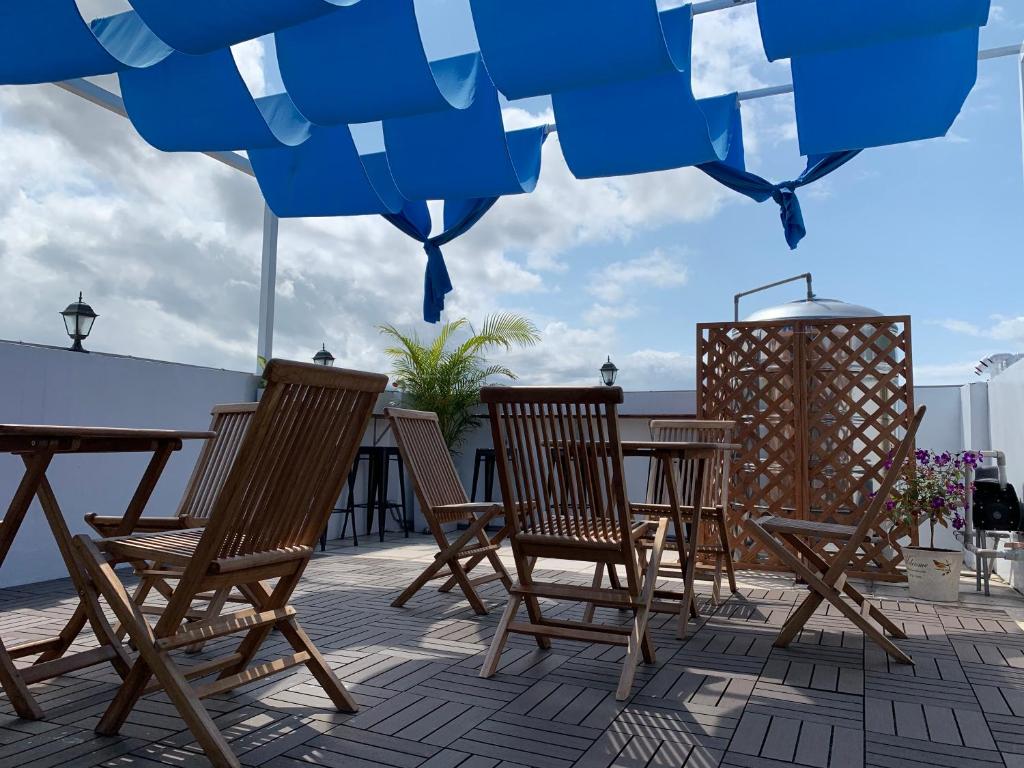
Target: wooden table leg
(145, 488)
(88, 608)
(689, 604)
(10, 677)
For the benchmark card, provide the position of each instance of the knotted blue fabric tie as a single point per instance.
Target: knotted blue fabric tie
(784, 194)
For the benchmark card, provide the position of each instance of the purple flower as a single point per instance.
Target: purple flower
(938, 502)
(890, 505)
(958, 522)
(922, 455)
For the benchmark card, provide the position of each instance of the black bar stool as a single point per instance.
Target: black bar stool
(385, 456)
(484, 456)
(349, 509)
(378, 460)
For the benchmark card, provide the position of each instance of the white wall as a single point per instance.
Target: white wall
(1006, 425)
(44, 385)
(55, 386)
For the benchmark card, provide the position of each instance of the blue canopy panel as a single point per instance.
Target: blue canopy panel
(201, 26)
(367, 63)
(791, 28)
(905, 90)
(45, 41)
(868, 73)
(536, 47)
(646, 125)
(325, 176)
(650, 123)
(201, 103)
(463, 153)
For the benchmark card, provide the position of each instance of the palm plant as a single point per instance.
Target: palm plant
(445, 377)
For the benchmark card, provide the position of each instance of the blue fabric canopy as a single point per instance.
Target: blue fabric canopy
(325, 176)
(619, 78)
(44, 41)
(865, 72)
(173, 114)
(791, 28)
(458, 154)
(536, 47)
(784, 194)
(459, 217)
(201, 26)
(367, 63)
(648, 124)
(868, 73)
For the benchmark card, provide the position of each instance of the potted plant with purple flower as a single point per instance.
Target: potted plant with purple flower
(934, 488)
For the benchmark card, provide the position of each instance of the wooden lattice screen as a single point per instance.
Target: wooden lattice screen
(819, 404)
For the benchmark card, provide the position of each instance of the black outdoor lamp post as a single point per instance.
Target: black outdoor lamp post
(608, 373)
(323, 357)
(78, 320)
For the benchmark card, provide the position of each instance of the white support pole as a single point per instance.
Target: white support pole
(1022, 102)
(268, 288)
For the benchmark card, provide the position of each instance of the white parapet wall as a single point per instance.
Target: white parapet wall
(56, 386)
(1006, 411)
(45, 385)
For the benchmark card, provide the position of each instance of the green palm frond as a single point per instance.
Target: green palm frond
(435, 376)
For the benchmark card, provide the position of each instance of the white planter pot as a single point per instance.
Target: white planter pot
(933, 574)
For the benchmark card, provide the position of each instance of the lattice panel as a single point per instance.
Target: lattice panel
(819, 405)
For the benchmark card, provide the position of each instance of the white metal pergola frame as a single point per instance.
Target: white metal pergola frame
(268, 269)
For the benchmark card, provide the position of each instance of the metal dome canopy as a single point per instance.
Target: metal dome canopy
(812, 309)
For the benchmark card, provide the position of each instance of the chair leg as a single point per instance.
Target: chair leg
(150, 662)
(449, 556)
(796, 621)
(318, 666)
(723, 535)
(820, 589)
(382, 495)
(213, 609)
(533, 606)
(639, 630)
(401, 492)
(815, 560)
(716, 584)
(476, 476)
(588, 612)
(490, 665)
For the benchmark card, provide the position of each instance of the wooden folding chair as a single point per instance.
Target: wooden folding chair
(443, 501)
(826, 578)
(264, 523)
(559, 460)
(230, 422)
(714, 550)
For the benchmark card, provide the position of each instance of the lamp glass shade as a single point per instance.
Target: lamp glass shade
(323, 357)
(609, 373)
(78, 320)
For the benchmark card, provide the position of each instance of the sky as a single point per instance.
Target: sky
(166, 247)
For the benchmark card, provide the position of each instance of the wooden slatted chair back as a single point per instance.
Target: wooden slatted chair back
(559, 461)
(716, 482)
(894, 468)
(293, 462)
(230, 422)
(428, 462)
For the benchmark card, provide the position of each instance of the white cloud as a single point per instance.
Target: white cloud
(651, 272)
(1002, 328)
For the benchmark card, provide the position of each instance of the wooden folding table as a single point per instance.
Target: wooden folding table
(37, 445)
(672, 455)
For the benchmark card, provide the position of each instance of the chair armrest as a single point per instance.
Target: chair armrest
(101, 523)
(470, 508)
